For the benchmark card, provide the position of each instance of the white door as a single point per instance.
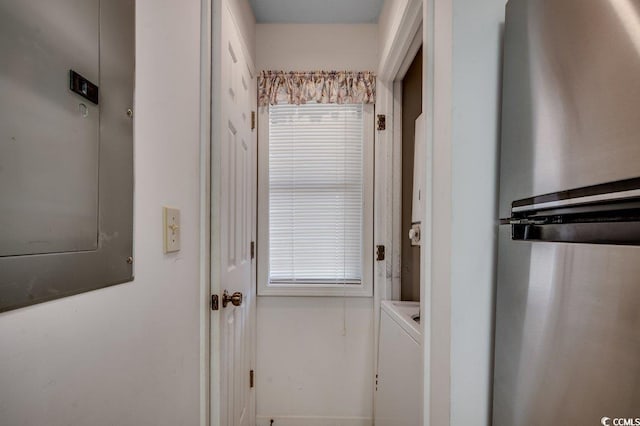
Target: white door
(237, 186)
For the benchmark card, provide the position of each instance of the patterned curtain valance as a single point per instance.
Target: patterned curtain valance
(341, 87)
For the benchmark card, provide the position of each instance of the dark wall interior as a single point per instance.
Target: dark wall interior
(411, 109)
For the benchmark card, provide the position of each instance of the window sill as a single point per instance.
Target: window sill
(319, 290)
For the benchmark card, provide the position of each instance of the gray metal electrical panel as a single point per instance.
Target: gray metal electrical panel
(66, 147)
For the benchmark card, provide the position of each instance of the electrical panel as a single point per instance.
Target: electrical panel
(66, 147)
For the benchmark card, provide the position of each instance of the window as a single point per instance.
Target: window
(315, 200)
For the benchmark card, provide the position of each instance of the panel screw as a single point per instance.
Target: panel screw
(129, 112)
(129, 260)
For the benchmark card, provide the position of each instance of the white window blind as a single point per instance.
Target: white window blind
(315, 194)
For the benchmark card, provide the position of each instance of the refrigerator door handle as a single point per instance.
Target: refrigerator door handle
(605, 193)
(570, 202)
(612, 233)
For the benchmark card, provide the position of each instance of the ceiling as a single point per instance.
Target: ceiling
(316, 11)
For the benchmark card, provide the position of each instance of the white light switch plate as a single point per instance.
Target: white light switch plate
(171, 221)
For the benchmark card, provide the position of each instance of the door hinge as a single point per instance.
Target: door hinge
(380, 253)
(253, 249)
(253, 120)
(250, 378)
(381, 123)
(214, 302)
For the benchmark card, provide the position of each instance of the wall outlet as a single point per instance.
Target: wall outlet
(171, 222)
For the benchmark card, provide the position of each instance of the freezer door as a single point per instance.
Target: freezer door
(570, 115)
(567, 347)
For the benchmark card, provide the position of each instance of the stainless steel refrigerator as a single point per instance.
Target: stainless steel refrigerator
(567, 338)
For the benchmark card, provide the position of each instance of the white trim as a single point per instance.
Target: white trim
(382, 215)
(205, 209)
(393, 56)
(215, 200)
(427, 226)
(383, 202)
(436, 248)
(570, 202)
(365, 289)
(416, 43)
(254, 239)
(313, 421)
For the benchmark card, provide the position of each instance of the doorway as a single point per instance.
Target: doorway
(411, 110)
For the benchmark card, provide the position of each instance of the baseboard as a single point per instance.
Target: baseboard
(313, 421)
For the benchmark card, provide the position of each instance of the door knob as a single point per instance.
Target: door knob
(235, 299)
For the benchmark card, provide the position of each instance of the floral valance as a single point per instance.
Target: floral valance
(341, 87)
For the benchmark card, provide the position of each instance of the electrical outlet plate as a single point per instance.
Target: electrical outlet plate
(171, 221)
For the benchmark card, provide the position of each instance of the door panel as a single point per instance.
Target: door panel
(49, 135)
(236, 186)
(567, 333)
(229, 196)
(242, 158)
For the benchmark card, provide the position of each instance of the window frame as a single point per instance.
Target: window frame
(365, 288)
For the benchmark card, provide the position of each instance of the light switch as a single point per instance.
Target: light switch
(171, 220)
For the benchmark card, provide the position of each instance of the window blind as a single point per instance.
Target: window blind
(315, 194)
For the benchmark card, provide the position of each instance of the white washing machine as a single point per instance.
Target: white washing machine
(399, 382)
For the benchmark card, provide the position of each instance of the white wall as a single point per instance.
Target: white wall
(477, 55)
(128, 354)
(308, 372)
(388, 25)
(309, 367)
(465, 66)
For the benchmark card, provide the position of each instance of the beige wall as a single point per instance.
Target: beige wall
(308, 47)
